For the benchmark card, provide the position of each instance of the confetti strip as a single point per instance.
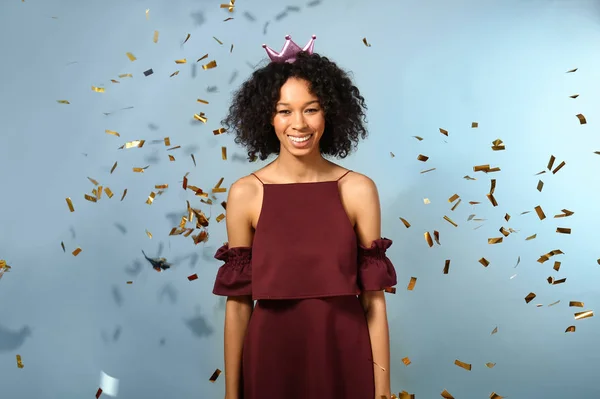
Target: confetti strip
(108, 385)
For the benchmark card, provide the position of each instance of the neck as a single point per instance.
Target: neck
(305, 169)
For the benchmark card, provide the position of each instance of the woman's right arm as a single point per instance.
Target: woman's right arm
(239, 308)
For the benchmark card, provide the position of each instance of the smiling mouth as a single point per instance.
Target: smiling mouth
(300, 139)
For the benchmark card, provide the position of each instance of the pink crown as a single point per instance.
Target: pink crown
(290, 50)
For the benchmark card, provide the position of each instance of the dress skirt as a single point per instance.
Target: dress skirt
(308, 348)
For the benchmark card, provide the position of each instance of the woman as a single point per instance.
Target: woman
(304, 242)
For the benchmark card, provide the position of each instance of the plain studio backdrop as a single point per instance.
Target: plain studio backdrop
(428, 65)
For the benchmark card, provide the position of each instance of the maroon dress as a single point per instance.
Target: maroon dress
(308, 336)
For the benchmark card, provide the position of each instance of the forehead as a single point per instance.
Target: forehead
(296, 90)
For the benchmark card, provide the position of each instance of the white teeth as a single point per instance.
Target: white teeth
(300, 140)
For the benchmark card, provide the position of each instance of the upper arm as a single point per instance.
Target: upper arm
(367, 210)
(239, 218)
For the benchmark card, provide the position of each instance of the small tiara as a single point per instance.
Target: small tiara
(290, 50)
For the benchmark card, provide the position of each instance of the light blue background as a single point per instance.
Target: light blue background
(432, 64)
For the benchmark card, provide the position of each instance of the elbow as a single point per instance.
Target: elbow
(372, 301)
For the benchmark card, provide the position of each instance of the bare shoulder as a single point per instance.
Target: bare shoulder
(244, 189)
(358, 184)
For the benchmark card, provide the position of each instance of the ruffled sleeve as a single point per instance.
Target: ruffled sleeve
(234, 278)
(375, 271)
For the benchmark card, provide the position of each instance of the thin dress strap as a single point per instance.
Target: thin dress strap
(258, 178)
(342, 176)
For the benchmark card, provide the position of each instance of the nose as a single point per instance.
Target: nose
(299, 123)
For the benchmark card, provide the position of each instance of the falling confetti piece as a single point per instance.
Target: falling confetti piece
(19, 362)
(215, 375)
(540, 185)
(540, 213)
(155, 38)
(77, 251)
(151, 197)
(63, 102)
(149, 234)
(70, 204)
(490, 365)
(474, 125)
(218, 131)
(187, 38)
(418, 138)
(530, 297)
(98, 89)
(147, 13)
(113, 133)
(574, 96)
(494, 331)
(496, 240)
(406, 361)
(563, 230)
(446, 395)
(447, 219)
(109, 385)
(447, 266)
(576, 304)
(411, 283)
(148, 72)
(582, 120)
(174, 74)
(406, 224)
(212, 64)
(531, 237)
(365, 42)
(422, 158)
(205, 56)
(559, 167)
(428, 239)
(484, 262)
(443, 131)
(62, 244)
(113, 168)
(426, 201)
(131, 57)
(202, 101)
(193, 277)
(570, 329)
(181, 61)
(584, 315)
(464, 365)
(572, 70)
(124, 194)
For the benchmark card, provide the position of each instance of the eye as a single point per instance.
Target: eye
(312, 110)
(283, 112)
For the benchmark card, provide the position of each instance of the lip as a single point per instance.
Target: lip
(299, 137)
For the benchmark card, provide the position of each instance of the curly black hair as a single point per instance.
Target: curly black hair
(254, 105)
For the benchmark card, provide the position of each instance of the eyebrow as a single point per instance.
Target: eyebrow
(310, 102)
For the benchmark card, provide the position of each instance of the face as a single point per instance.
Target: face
(299, 120)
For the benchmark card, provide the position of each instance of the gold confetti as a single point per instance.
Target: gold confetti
(131, 57)
(428, 239)
(228, 19)
(426, 201)
(447, 219)
(556, 266)
(140, 170)
(130, 282)
(464, 365)
(148, 234)
(507, 217)
(406, 361)
(174, 74)
(151, 197)
(418, 138)
(155, 38)
(484, 262)
(215, 375)
(570, 329)
(19, 362)
(559, 167)
(134, 144)
(422, 158)
(98, 89)
(181, 61)
(576, 304)
(447, 266)
(210, 65)
(572, 70)
(474, 125)
(200, 117)
(443, 131)
(205, 56)
(113, 168)
(77, 251)
(224, 153)
(62, 245)
(411, 283)
(436, 237)
(218, 131)
(70, 204)
(202, 101)
(193, 159)
(231, 49)
(125, 75)
(453, 198)
(112, 132)
(147, 13)
(108, 192)
(574, 96)
(469, 178)
(540, 212)
(496, 240)
(540, 185)
(492, 199)
(563, 230)
(490, 365)
(161, 186)
(581, 118)
(406, 224)
(365, 42)
(427, 170)
(124, 194)
(531, 237)
(220, 217)
(530, 297)
(584, 315)
(550, 254)
(494, 395)
(392, 154)
(446, 395)
(494, 331)
(187, 38)
(498, 145)
(90, 198)
(171, 158)
(565, 213)
(554, 303)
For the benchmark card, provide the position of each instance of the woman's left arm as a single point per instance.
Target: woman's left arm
(368, 229)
